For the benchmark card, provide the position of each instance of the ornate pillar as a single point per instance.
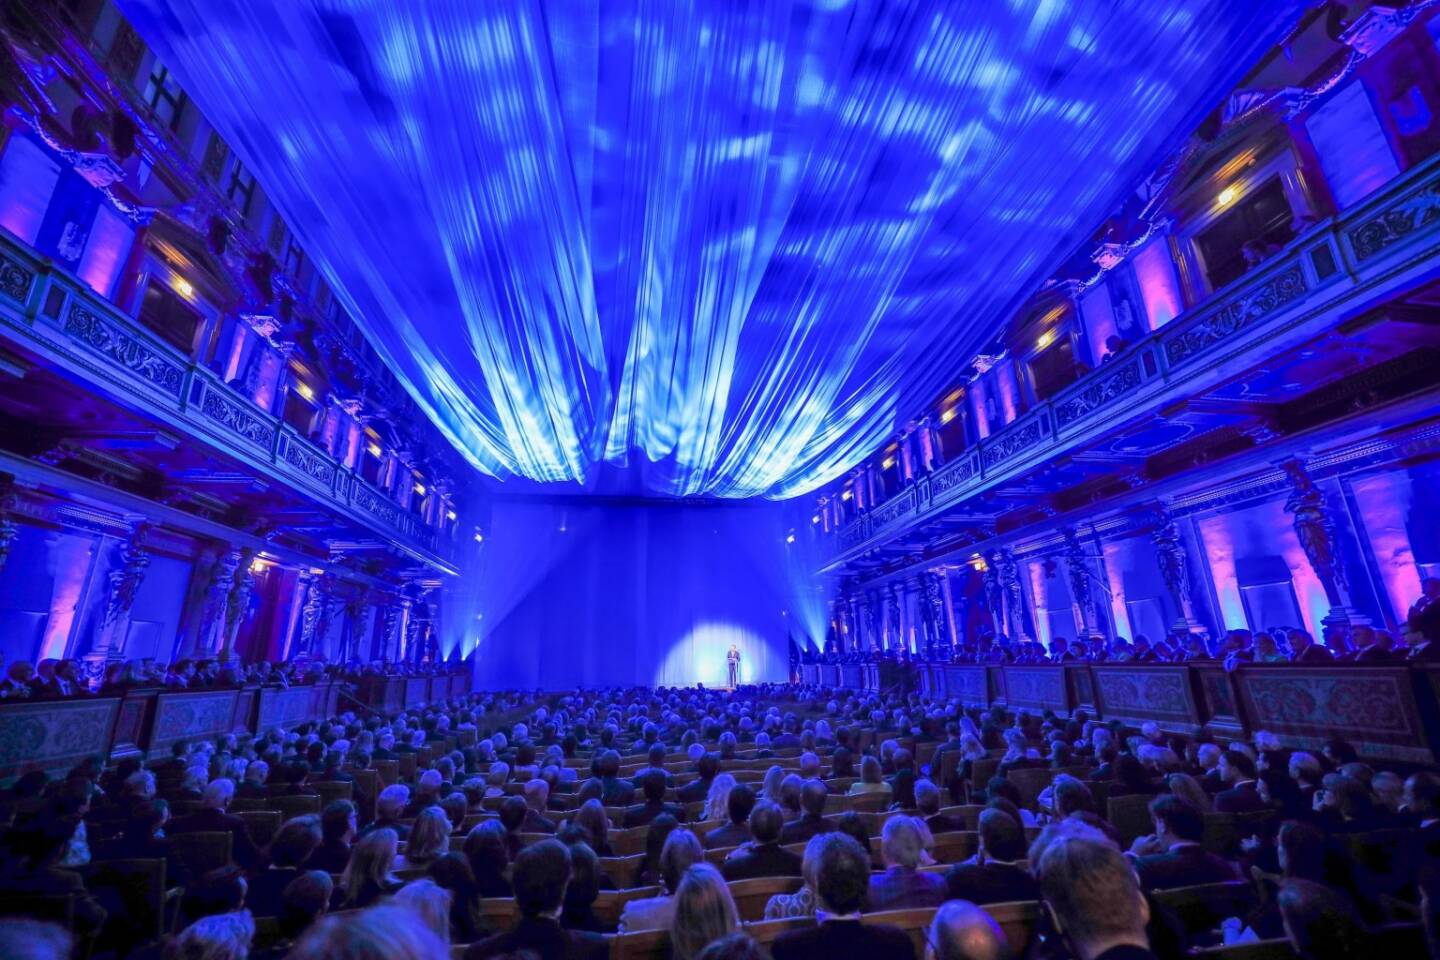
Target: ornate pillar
(313, 586)
(397, 619)
(1079, 577)
(870, 615)
(1014, 595)
(123, 582)
(892, 617)
(1170, 554)
(214, 617)
(1315, 530)
(995, 592)
(9, 529)
(237, 602)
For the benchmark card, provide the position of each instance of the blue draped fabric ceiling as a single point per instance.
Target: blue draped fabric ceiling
(728, 244)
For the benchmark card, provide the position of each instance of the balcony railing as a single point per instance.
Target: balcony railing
(1337, 263)
(55, 314)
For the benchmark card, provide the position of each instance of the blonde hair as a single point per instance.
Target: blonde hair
(429, 901)
(704, 912)
(429, 838)
(382, 933)
(371, 859)
(717, 801)
(770, 789)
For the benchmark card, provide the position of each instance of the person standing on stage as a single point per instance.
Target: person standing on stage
(732, 663)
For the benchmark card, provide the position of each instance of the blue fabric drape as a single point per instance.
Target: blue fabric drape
(730, 244)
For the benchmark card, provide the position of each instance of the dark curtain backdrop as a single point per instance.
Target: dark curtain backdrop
(606, 592)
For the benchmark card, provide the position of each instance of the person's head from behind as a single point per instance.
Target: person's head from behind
(430, 903)
(736, 946)
(485, 849)
(704, 911)
(853, 826)
(337, 822)
(653, 786)
(430, 837)
(1421, 796)
(390, 805)
(371, 861)
(740, 802)
(512, 813)
(539, 876)
(224, 936)
(382, 933)
(1300, 847)
(766, 822)
(963, 931)
(303, 901)
(682, 850)
(1176, 821)
(927, 798)
(842, 877)
(296, 839)
(902, 842)
(1091, 890)
(1321, 922)
(222, 890)
(870, 770)
(1001, 836)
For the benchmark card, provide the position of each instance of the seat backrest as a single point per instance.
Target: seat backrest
(611, 903)
(948, 767)
(626, 842)
(1278, 949)
(408, 764)
(643, 945)
(1201, 907)
(954, 846)
(332, 790)
(202, 851)
(968, 812)
(1130, 814)
(625, 871)
(1018, 919)
(981, 771)
(296, 806)
(498, 913)
(262, 825)
(136, 887)
(915, 922)
(717, 855)
(870, 802)
(751, 896)
(1030, 781)
(387, 770)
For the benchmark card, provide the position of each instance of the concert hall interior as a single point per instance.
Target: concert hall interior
(719, 479)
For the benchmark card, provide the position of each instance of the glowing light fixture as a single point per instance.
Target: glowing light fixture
(1227, 196)
(717, 240)
(847, 495)
(479, 537)
(1045, 339)
(790, 537)
(420, 489)
(948, 414)
(184, 287)
(450, 514)
(374, 449)
(305, 390)
(887, 463)
(815, 519)
(978, 563)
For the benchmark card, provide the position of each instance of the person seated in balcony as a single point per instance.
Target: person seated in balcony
(1114, 346)
(1304, 649)
(17, 682)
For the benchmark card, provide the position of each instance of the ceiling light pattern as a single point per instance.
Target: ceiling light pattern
(731, 244)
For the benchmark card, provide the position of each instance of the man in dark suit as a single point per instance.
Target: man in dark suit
(1093, 899)
(652, 784)
(843, 880)
(539, 875)
(1303, 648)
(614, 792)
(995, 878)
(537, 795)
(656, 759)
(212, 816)
(1178, 829)
(812, 821)
(764, 857)
(1241, 794)
(927, 801)
(737, 831)
(294, 844)
(34, 871)
(708, 767)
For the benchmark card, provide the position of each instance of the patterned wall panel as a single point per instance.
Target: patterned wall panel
(286, 708)
(1037, 688)
(54, 736)
(1146, 693)
(967, 684)
(1308, 705)
(186, 716)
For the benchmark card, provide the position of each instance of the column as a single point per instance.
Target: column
(213, 619)
(1014, 595)
(994, 593)
(126, 574)
(1170, 554)
(1078, 574)
(893, 636)
(9, 529)
(237, 601)
(870, 620)
(1315, 530)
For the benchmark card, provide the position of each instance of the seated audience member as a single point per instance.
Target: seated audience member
(222, 890)
(653, 785)
(212, 816)
(902, 784)
(370, 873)
(812, 818)
(596, 823)
(303, 901)
(385, 933)
(143, 834)
(537, 795)
(540, 875)
(762, 856)
(963, 931)
(489, 858)
(704, 912)
(801, 903)
(452, 872)
(737, 831)
(429, 839)
(1237, 772)
(512, 818)
(736, 946)
(32, 869)
(853, 826)
(1322, 923)
(1092, 894)
(429, 905)
(1301, 849)
(871, 779)
(225, 936)
(1343, 805)
(389, 809)
(1179, 860)
(994, 877)
(288, 852)
(707, 768)
(337, 831)
(927, 801)
(659, 830)
(843, 880)
(902, 885)
(581, 893)
(614, 792)
(681, 851)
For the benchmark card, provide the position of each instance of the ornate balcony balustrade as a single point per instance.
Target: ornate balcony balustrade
(53, 314)
(1335, 268)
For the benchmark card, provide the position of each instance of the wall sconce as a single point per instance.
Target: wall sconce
(449, 514)
(1226, 196)
(374, 449)
(1045, 339)
(948, 414)
(304, 389)
(420, 489)
(183, 287)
